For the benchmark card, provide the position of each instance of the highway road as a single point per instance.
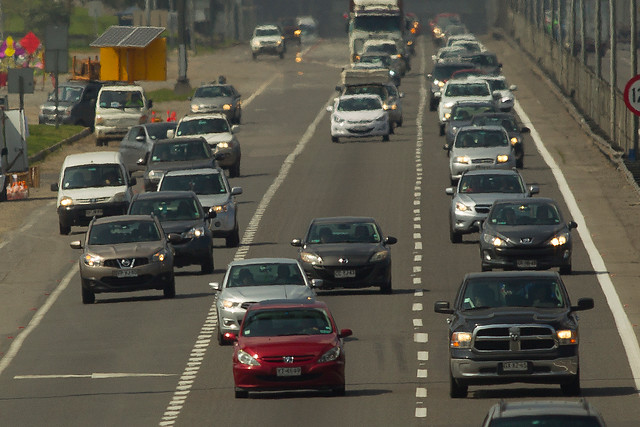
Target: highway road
(138, 359)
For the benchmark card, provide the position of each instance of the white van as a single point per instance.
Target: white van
(119, 107)
(92, 185)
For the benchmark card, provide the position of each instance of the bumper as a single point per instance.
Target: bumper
(526, 259)
(228, 157)
(82, 214)
(554, 370)
(223, 224)
(50, 119)
(102, 132)
(347, 130)
(269, 50)
(105, 279)
(264, 377)
(457, 169)
(369, 275)
(465, 222)
(193, 251)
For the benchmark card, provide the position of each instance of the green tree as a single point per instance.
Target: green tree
(40, 13)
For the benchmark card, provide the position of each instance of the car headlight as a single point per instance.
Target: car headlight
(440, 83)
(448, 104)
(330, 355)
(220, 208)
(194, 233)
(567, 336)
(92, 260)
(311, 258)
(379, 256)
(255, 43)
(461, 340)
(494, 240)
(447, 116)
(559, 240)
(155, 175)
(226, 107)
(66, 201)
(279, 42)
(338, 119)
(230, 304)
(159, 256)
(465, 160)
(225, 144)
(502, 158)
(247, 359)
(195, 108)
(514, 140)
(462, 207)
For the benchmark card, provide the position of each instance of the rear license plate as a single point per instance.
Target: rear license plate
(289, 372)
(527, 263)
(93, 212)
(343, 274)
(515, 366)
(127, 273)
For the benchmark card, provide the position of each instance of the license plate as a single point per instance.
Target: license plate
(127, 273)
(93, 212)
(289, 372)
(342, 274)
(515, 366)
(527, 263)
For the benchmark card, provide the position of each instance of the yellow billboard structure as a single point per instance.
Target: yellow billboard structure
(132, 53)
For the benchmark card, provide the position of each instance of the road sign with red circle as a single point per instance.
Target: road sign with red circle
(632, 95)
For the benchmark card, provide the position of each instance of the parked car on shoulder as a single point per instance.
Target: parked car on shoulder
(76, 104)
(119, 107)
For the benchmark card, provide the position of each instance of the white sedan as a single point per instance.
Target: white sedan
(361, 115)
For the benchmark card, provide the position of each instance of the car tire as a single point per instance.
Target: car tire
(441, 130)
(338, 391)
(254, 56)
(433, 105)
(206, 267)
(221, 340)
(565, 269)
(234, 171)
(64, 229)
(457, 391)
(169, 291)
(88, 296)
(454, 236)
(335, 139)
(281, 55)
(386, 288)
(385, 138)
(571, 388)
(485, 268)
(241, 394)
(399, 123)
(233, 240)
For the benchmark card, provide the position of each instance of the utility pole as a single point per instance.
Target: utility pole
(634, 67)
(613, 72)
(182, 85)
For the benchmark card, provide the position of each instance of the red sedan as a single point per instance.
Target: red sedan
(289, 345)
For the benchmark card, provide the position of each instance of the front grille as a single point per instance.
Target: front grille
(126, 281)
(91, 201)
(483, 208)
(514, 338)
(296, 359)
(135, 262)
(299, 378)
(360, 131)
(481, 161)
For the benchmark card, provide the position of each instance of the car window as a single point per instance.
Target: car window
(202, 126)
(524, 214)
(543, 420)
(513, 292)
(176, 209)
(265, 274)
(120, 99)
(113, 233)
(92, 175)
(506, 122)
(160, 131)
(261, 32)
(466, 112)
(276, 322)
(356, 232)
(491, 184)
(468, 89)
(481, 139)
(201, 184)
(179, 151)
(373, 90)
(359, 104)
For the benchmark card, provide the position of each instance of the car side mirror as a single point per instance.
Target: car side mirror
(132, 181)
(442, 307)
(572, 225)
(236, 191)
(429, 76)
(345, 333)
(296, 242)
(534, 189)
(400, 94)
(76, 244)
(583, 304)
(171, 133)
(174, 238)
(235, 129)
(330, 108)
(390, 240)
(446, 147)
(450, 191)
(513, 88)
(499, 64)
(54, 187)
(317, 283)
(189, 98)
(140, 138)
(214, 285)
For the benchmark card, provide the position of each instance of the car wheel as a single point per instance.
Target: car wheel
(441, 130)
(399, 123)
(571, 388)
(64, 229)
(206, 267)
(565, 269)
(254, 56)
(338, 391)
(385, 138)
(335, 139)
(520, 161)
(234, 172)
(386, 288)
(454, 236)
(457, 391)
(433, 105)
(169, 291)
(281, 55)
(233, 240)
(88, 297)
(241, 394)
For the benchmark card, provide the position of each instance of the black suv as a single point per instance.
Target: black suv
(513, 327)
(76, 104)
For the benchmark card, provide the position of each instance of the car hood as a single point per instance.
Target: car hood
(537, 233)
(515, 315)
(481, 152)
(185, 164)
(292, 345)
(126, 250)
(356, 116)
(212, 138)
(208, 200)
(218, 101)
(266, 292)
(487, 198)
(357, 253)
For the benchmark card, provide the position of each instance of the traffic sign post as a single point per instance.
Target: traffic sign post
(632, 100)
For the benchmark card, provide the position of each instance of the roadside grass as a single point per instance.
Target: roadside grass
(44, 136)
(164, 95)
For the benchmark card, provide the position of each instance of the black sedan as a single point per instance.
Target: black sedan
(509, 122)
(526, 234)
(347, 252)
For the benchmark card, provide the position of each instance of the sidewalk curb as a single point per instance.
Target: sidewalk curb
(40, 155)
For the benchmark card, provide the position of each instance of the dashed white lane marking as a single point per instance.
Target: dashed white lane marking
(417, 306)
(625, 329)
(423, 356)
(421, 337)
(94, 376)
(421, 373)
(197, 354)
(418, 246)
(417, 323)
(421, 392)
(421, 412)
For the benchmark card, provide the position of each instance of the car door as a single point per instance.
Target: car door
(89, 97)
(133, 147)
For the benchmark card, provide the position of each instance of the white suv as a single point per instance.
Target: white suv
(120, 107)
(267, 39)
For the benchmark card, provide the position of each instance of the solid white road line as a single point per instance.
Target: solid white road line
(625, 329)
(94, 376)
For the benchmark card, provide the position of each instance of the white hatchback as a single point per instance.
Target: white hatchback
(361, 115)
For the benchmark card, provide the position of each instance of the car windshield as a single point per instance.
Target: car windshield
(444, 72)
(509, 123)
(466, 112)
(202, 126)
(482, 59)
(201, 184)
(120, 99)
(159, 130)
(543, 420)
(469, 46)
(359, 104)
(467, 89)
(264, 274)
(364, 89)
(512, 292)
(389, 48)
(284, 322)
(213, 92)
(261, 32)
(179, 151)
(93, 175)
(524, 214)
(67, 93)
(113, 233)
(349, 232)
(481, 139)
(169, 209)
(490, 184)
